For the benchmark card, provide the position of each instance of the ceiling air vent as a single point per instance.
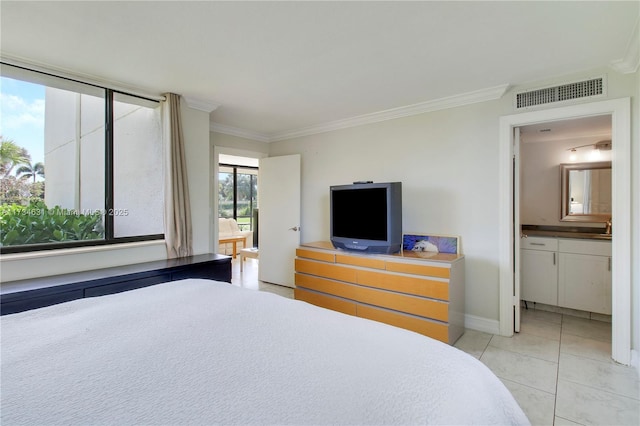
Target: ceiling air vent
(564, 92)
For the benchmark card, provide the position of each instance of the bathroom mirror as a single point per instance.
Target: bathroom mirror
(586, 192)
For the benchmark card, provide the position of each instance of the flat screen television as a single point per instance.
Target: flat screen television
(367, 217)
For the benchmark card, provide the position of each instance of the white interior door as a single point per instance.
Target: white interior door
(279, 218)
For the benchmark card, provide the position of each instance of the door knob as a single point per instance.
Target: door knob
(295, 228)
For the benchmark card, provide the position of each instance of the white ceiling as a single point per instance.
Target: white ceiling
(592, 128)
(277, 67)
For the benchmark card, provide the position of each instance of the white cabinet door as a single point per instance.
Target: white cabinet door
(585, 282)
(539, 276)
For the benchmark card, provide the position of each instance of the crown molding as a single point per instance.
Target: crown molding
(483, 95)
(80, 77)
(468, 98)
(201, 104)
(236, 131)
(631, 61)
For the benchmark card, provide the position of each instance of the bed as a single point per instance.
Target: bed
(201, 352)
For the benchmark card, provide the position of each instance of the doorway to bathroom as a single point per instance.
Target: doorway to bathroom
(564, 210)
(509, 236)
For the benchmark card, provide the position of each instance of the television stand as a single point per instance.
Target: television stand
(404, 289)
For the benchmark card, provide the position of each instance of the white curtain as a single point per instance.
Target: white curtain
(178, 231)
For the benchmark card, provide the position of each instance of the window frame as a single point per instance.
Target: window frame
(235, 168)
(109, 237)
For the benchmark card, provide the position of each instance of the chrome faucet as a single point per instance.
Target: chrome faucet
(608, 230)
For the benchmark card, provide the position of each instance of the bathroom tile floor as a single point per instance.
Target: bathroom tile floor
(558, 367)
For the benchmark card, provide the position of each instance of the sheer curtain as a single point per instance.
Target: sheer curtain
(178, 233)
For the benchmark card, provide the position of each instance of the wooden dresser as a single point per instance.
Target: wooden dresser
(407, 290)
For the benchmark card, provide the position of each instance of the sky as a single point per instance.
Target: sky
(22, 115)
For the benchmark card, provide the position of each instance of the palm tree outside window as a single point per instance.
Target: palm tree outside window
(31, 171)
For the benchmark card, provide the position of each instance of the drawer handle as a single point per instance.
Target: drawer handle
(609, 266)
(538, 244)
(554, 258)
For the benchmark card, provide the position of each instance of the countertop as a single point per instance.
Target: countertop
(558, 233)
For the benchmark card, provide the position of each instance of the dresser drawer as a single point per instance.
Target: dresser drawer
(324, 301)
(316, 255)
(325, 285)
(426, 270)
(429, 328)
(404, 303)
(405, 284)
(327, 270)
(386, 299)
(365, 262)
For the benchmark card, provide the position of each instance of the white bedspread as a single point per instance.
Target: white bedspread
(204, 352)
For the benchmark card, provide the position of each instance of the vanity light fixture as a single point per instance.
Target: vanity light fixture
(574, 155)
(603, 145)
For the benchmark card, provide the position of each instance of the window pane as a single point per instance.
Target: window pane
(225, 192)
(138, 167)
(246, 193)
(247, 196)
(58, 126)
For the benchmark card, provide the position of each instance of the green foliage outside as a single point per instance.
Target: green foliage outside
(247, 191)
(37, 224)
(11, 155)
(18, 176)
(24, 217)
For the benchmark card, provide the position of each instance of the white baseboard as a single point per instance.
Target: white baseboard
(482, 324)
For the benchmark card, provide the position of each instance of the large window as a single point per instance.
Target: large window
(238, 194)
(80, 164)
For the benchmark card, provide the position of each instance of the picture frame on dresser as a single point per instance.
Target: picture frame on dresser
(425, 244)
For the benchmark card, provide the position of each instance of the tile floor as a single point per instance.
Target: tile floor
(558, 367)
(248, 278)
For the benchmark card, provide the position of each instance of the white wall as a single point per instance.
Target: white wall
(195, 127)
(235, 145)
(448, 163)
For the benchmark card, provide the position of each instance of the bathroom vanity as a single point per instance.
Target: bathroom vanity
(570, 271)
